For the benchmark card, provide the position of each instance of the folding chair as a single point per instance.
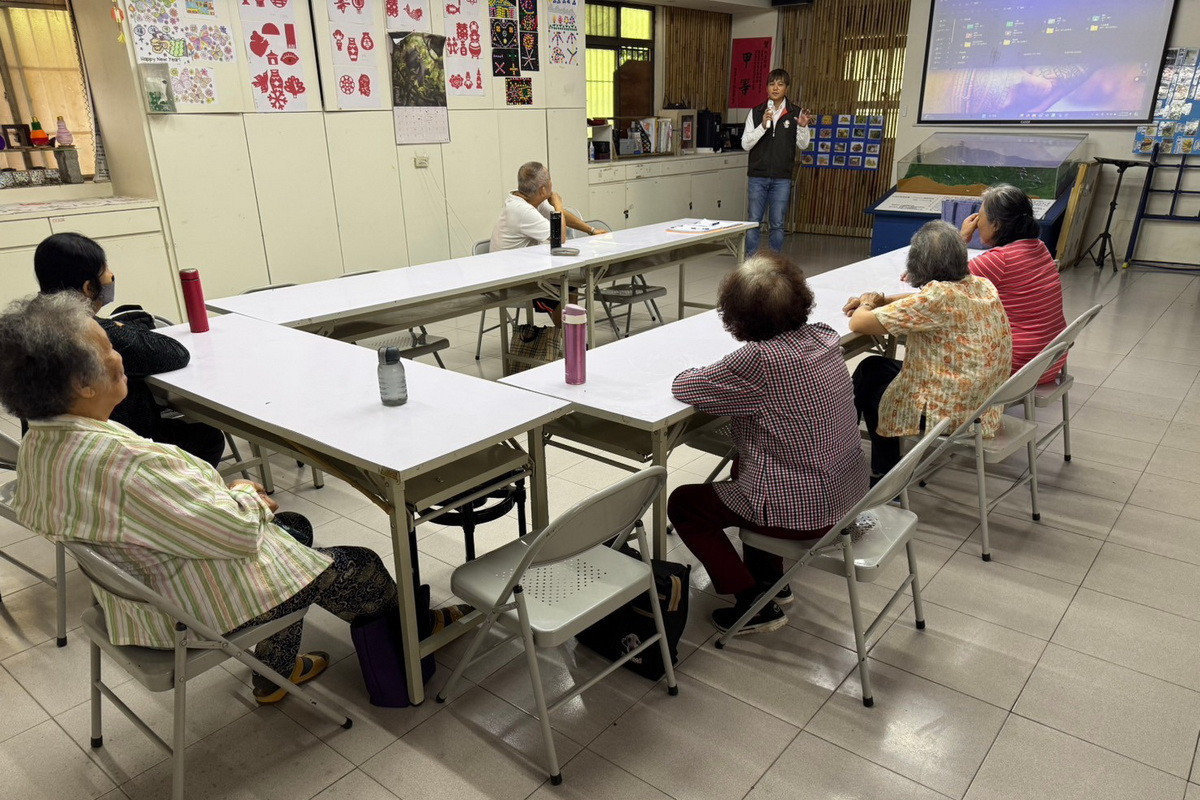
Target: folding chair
(838, 553)
(1013, 434)
(198, 648)
(549, 586)
(1059, 391)
(413, 343)
(637, 290)
(8, 490)
(481, 247)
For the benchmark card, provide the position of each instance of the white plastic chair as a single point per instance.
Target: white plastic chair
(548, 587)
(514, 312)
(9, 448)
(1014, 433)
(861, 561)
(413, 343)
(198, 648)
(1059, 391)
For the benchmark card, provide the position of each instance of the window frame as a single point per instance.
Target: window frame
(617, 44)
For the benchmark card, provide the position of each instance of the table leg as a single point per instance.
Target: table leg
(589, 298)
(540, 499)
(504, 323)
(658, 458)
(740, 248)
(682, 286)
(405, 588)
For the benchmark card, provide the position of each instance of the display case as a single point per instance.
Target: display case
(670, 134)
(967, 163)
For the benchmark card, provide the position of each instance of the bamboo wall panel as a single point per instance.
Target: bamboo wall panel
(845, 57)
(696, 54)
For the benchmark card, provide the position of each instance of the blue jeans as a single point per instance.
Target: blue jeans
(775, 194)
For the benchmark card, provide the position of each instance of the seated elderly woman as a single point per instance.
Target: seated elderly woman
(958, 350)
(1022, 270)
(71, 262)
(799, 463)
(156, 510)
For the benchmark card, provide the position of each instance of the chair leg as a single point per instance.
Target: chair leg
(479, 339)
(264, 469)
(97, 734)
(664, 647)
(1066, 404)
(1031, 451)
(179, 723)
(918, 606)
(60, 591)
(469, 536)
(237, 455)
(539, 695)
(981, 481)
(318, 478)
(468, 656)
(522, 527)
(860, 639)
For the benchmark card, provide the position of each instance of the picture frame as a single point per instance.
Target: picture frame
(16, 135)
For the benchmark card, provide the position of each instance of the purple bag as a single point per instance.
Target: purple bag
(377, 640)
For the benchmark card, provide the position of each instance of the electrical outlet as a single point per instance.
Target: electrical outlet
(421, 162)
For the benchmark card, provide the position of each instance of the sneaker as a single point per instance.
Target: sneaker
(785, 596)
(770, 618)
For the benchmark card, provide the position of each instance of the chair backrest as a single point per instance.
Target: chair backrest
(607, 514)
(1024, 380)
(268, 287)
(115, 580)
(599, 223)
(1071, 332)
(481, 247)
(9, 448)
(886, 488)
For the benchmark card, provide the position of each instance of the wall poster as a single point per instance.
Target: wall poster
(279, 53)
(466, 23)
(419, 88)
(749, 67)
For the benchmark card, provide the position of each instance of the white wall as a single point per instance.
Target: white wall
(1163, 241)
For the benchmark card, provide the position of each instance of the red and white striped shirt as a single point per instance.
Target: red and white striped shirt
(1026, 278)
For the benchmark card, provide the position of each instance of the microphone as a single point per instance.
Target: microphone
(770, 115)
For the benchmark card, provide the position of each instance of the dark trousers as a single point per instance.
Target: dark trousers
(700, 519)
(202, 441)
(355, 585)
(871, 379)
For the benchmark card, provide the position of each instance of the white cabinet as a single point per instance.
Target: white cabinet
(706, 195)
(656, 190)
(608, 203)
(657, 199)
(145, 273)
(732, 197)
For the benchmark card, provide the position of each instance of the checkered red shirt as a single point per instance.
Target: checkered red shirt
(791, 403)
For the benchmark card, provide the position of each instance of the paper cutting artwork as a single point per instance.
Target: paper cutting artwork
(351, 44)
(563, 30)
(276, 61)
(203, 8)
(408, 15)
(356, 10)
(193, 86)
(466, 22)
(209, 42)
(518, 91)
(359, 89)
(419, 88)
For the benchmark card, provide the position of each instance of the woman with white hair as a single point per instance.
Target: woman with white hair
(958, 348)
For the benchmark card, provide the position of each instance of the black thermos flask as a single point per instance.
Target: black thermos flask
(555, 231)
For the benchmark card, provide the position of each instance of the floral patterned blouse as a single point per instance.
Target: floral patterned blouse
(959, 351)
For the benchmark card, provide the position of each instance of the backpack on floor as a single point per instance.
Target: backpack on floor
(378, 642)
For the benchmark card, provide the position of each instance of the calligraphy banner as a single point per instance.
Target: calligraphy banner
(751, 64)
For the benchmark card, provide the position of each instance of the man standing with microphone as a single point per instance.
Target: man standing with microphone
(775, 130)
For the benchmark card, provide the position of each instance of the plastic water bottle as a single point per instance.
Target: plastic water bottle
(574, 319)
(193, 300)
(393, 388)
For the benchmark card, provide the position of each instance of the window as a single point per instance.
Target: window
(41, 75)
(620, 60)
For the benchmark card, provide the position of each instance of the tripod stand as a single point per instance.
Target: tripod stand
(1105, 239)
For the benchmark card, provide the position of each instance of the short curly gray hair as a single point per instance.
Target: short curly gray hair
(45, 354)
(937, 254)
(532, 177)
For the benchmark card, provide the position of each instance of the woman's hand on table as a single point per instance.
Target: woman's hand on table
(867, 301)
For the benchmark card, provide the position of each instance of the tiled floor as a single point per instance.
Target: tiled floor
(1066, 668)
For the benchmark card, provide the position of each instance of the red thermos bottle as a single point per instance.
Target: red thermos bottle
(193, 300)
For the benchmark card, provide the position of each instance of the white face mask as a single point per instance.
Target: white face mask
(108, 293)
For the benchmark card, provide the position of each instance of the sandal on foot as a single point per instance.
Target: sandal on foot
(308, 666)
(448, 615)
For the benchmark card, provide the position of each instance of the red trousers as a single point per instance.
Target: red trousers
(700, 519)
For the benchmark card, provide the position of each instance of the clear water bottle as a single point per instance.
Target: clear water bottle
(393, 388)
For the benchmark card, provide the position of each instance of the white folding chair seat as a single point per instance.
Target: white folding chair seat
(551, 585)
(637, 290)
(1059, 391)
(1011, 436)
(413, 343)
(198, 648)
(859, 561)
(8, 490)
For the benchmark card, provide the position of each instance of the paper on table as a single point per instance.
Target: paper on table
(700, 226)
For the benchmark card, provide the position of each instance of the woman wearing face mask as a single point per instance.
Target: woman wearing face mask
(71, 262)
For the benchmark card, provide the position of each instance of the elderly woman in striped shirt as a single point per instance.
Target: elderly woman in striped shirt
(159, 512)
(1022, 270)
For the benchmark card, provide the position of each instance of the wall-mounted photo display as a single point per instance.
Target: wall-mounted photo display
(853, 140)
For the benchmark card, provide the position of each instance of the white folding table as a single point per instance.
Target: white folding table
(361, 305)
(317, 399)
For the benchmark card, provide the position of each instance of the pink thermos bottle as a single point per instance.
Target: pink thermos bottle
(193, 300)
(575, 343)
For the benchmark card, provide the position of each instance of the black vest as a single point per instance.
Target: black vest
(775, 153)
